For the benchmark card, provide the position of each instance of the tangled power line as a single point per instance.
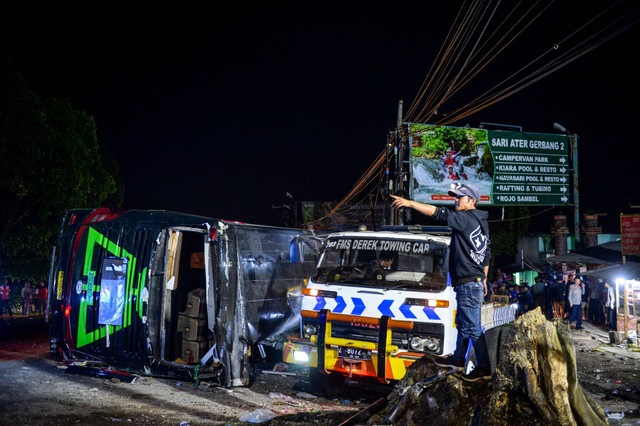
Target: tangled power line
(480, 32)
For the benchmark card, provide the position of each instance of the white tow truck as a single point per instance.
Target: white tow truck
(378, 301)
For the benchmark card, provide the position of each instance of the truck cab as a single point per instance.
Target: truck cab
(378, 301)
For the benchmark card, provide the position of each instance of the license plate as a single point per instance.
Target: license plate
(354, 353)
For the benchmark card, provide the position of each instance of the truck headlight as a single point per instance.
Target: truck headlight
(416, 343)
(309, 330)
(301, 356)
(432, 344)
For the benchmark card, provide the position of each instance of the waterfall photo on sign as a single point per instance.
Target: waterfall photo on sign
(445, 155)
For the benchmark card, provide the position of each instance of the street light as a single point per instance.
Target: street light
(573, 142)
(560, 127)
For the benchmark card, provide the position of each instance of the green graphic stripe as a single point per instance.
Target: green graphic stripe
(95, 238)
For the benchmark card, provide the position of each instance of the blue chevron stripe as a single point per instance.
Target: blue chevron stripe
(431, 313)
(358, 306)
(406, 311)
(320, 304)
(385, 307)
(340, 307)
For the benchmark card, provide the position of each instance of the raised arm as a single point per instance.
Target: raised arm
(426, 209)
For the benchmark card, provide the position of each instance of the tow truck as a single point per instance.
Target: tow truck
(376, 302)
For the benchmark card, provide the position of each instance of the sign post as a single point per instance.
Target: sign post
(573, 139)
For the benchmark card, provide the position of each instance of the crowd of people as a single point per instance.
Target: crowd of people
(571, 298)
(33, 298)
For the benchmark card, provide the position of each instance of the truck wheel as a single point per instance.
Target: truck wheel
(327, 385)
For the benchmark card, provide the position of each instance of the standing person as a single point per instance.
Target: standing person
(557, 296)
(595, 309)
(34, 298)
(604, 311)
(25, 293)
(4, 297)
(493, 290)
(513, 293)
(525, 300)
(468, 268)
(538, 292)
(548, 299)
(574, 295)
(567, 308)
(42, 298)
(611, 306)
(502, 290)
(585, 298)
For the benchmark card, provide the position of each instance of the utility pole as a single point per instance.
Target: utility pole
(573, 143)
(573, 140)
(395, 169)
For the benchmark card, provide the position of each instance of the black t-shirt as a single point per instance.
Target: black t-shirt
(470, 250)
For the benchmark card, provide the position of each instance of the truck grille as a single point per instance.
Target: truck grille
(369, 333)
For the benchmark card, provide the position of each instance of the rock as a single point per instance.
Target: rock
(534, 382)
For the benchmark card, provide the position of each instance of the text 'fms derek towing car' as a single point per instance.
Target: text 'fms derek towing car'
(377, 302)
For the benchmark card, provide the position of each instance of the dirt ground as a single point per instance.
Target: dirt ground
(36, 389)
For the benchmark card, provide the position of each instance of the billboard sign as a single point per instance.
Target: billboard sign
(630, 230)
(508, 167)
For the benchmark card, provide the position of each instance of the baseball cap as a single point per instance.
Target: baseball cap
(460, 190)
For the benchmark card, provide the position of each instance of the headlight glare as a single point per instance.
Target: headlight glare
(416, 343)
(301, 356)
(433, 344)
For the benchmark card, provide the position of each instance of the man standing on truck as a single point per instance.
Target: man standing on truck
(468, 268)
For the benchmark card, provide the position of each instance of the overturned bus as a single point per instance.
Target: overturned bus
(171, 294)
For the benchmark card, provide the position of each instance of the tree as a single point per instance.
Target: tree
(49, 162)
(433, 141)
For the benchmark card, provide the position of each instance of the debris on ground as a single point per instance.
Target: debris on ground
(534, 381)
(260, 415)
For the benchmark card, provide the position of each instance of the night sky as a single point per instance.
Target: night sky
(221, 111)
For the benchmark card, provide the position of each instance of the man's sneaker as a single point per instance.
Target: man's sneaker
(477, 374)
(449, 361)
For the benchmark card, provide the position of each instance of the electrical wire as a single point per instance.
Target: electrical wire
(513, 219)
(466, 52)
(494, 95)
(349, 202)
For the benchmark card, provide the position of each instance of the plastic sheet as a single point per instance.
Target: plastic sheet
(260, 415)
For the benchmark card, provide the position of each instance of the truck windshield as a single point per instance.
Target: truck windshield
(382, 263)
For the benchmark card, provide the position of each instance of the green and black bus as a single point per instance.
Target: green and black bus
(169, 294)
